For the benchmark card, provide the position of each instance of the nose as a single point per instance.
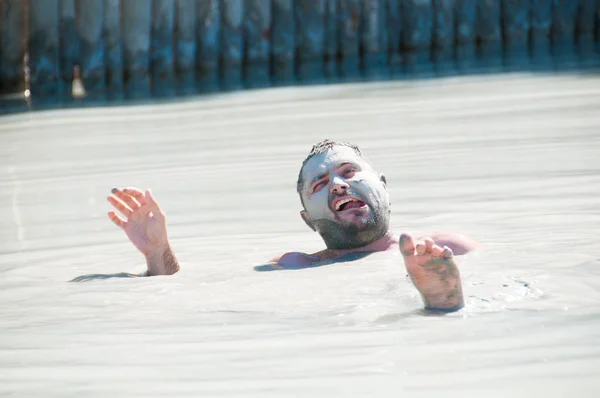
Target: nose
(338, 185)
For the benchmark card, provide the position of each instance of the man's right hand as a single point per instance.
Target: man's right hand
(146, 227)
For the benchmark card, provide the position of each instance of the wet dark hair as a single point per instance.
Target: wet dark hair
(318, 148)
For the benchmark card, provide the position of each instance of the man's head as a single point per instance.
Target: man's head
(345, 200)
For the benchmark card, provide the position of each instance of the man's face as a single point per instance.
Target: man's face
(345, 200)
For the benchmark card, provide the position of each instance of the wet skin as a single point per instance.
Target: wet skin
(339, 174)
(430, 263)
(344, 199)
(145, 224)
(347, 203)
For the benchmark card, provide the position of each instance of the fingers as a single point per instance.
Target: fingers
(428, 247)
(129, 200)
(448, 252)
(428, 244)
(135, 193)
(407, 245)
(425, 247)
(119, 222)
(117, 204)
(154, 206)
(134, 204)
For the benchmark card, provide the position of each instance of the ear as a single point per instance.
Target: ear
(383, 179)
(306, 218)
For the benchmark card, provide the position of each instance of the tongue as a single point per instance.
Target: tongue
(353, 205)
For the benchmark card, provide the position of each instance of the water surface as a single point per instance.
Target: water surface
(512, 161)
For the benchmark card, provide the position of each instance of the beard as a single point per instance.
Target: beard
(343, 236)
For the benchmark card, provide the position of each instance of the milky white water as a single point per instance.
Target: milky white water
(511, 161)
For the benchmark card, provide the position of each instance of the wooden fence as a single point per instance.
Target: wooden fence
(149, 48)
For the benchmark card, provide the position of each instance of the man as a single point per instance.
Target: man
(344, 200)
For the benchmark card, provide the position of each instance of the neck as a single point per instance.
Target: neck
(379, 245)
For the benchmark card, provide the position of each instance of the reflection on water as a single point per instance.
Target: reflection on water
(511, 161)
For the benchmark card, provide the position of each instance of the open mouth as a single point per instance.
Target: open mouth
(347, 203)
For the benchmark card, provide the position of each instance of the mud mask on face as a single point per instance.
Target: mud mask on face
(366, 185)
(338, 230)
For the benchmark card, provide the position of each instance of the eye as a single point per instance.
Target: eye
(349, 172)
(319, 185)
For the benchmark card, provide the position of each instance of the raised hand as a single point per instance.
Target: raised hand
(145, 225)
(433, 272)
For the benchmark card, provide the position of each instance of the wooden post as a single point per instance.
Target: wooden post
(348, 30)
(598, 26)
(417, 23)
(588, 14)
(69, 46)
(43, 45)
(283, 43)
(564, 16)
(232, 44)
(466, 12)
(114, 49)
(12, 46)
(443, 37)
(394, 30)
(515, 33)
(257, 32)
(331, 41)
(162, 78)
(541, 22)
(136, 17)
(373, 39)
(185, 46)
(90, 19)
(208, 42)
(310, 40)
(489, 36)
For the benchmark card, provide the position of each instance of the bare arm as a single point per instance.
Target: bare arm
(145, 225)
(162, 261)
(459, 244)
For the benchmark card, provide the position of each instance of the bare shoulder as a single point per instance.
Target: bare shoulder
(459, 243)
